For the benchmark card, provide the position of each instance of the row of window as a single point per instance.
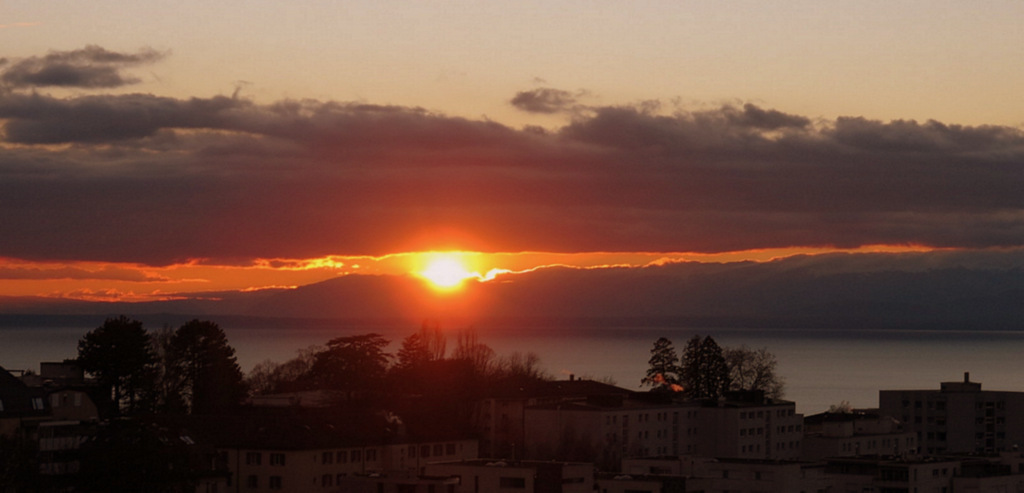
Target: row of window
(780, 413)
(788, 429)
(346, 456)
(252, 482)
(750, 431)
(435, 450)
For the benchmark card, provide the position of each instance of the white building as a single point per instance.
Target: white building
(608, 429)
(855, 433)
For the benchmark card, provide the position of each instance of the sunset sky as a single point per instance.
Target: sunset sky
(153, 150)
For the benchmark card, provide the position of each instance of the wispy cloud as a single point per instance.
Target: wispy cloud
(90, 67)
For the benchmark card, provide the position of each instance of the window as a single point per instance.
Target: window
(449, 449)
(438, 449)
(424, 451)
(517, 483)
(275, 482)
(356, 455)
(412, 451)
(253, 458)
(327, 481)
(371, 455)
(277, 459)
(37, 404)
(1, 404)
(252, 481)
(342, 456)
(328, 458)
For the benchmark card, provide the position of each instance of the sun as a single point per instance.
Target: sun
(446, 271)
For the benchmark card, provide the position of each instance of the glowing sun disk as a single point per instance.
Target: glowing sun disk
(446, 272)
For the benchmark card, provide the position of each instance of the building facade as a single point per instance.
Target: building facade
(855, 433)
(960, 417)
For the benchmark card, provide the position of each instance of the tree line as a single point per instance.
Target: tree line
(193, 369)
(705, 370)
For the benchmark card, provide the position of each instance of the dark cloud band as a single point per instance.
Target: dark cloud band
(154, 179)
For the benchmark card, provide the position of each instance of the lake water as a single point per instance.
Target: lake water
(821, 367)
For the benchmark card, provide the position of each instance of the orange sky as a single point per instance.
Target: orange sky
(105, 281)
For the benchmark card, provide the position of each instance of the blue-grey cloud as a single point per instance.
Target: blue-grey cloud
(544, 100)
(90, 67)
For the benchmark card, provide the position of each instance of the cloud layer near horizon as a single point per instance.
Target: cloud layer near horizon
(150, 179)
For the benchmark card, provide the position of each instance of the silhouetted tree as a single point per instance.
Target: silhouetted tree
(520, 366)
(469, 348)
(203, 365)
(351, 363)
(415, 352)
(705, 374)
(168, 390)
(843, 407)
(754, 369)
(119, 354)
(663, 367)
(293, 375)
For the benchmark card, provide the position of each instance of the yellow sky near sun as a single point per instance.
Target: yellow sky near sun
(100, 281)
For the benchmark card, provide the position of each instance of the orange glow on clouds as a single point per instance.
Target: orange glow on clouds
(446, 271)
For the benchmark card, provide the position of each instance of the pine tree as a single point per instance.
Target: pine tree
(120, 355)
(705, 374)
(664, 369)
(204, 368)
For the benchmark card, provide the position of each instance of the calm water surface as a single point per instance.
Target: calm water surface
(821, 367)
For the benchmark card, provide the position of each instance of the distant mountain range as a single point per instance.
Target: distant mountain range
(937, 290)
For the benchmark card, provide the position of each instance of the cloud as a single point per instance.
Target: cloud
(90, 67)
(753, 116)
(15, 272)
(156, 180)
(544, 100)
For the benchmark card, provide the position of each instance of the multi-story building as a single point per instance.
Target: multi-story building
(744, 425)
(498, 417)
(308, 450)
(477, 476)
(21, 407)
(608, 429)
(855, 433)
(1004, 472)
(705, 474)
(960, 417)
(603, 429)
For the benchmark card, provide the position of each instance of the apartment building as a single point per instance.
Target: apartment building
(855, 433)
(607, 429)
(959, 417)
(499, 415)
(301, 450)
(495, 476)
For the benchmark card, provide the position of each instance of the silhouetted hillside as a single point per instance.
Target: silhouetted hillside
(926, 290)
